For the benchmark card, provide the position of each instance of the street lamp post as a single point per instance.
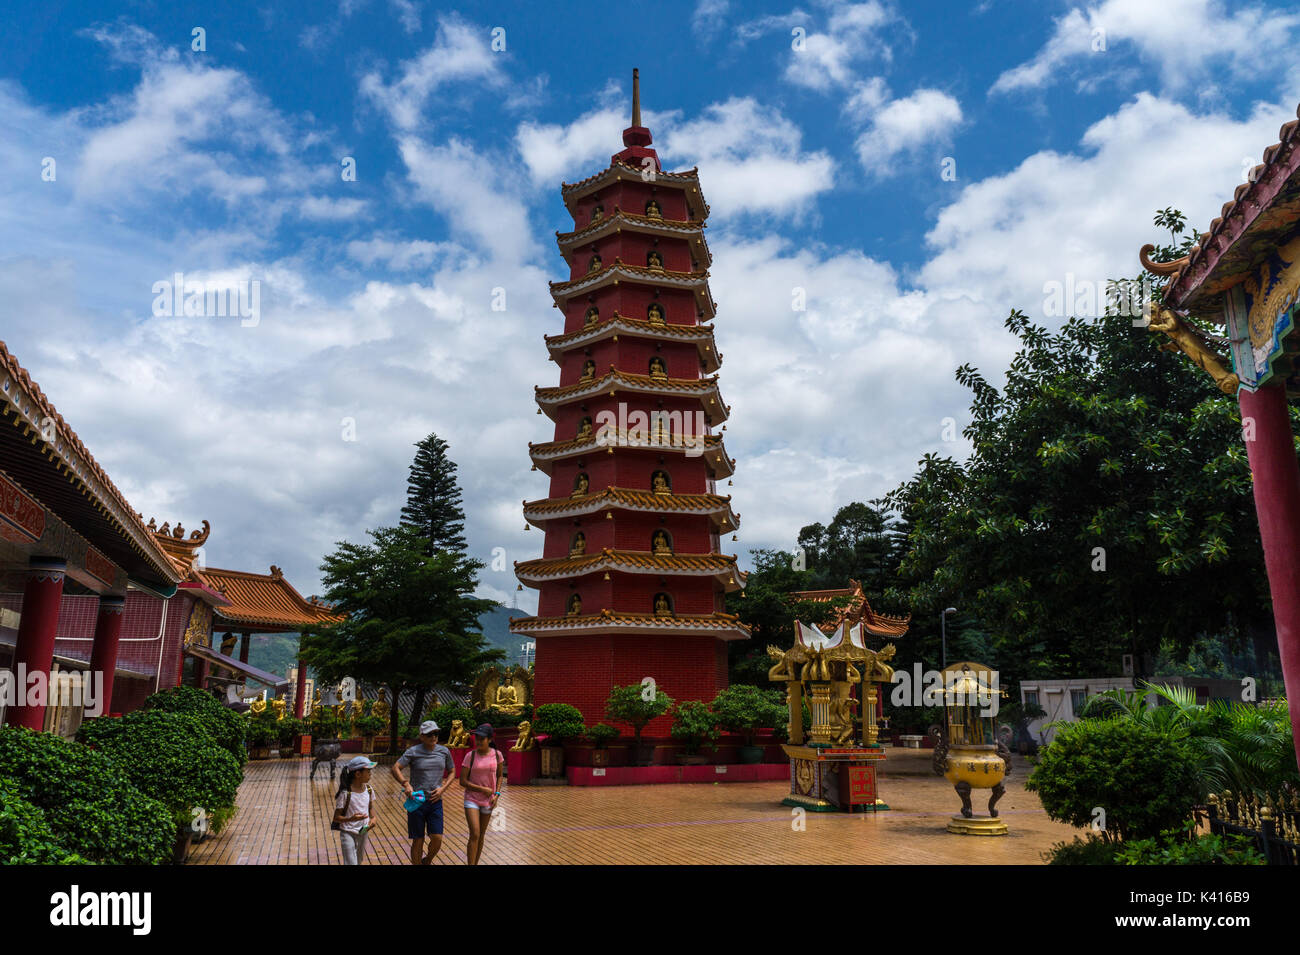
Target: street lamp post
(943, 631)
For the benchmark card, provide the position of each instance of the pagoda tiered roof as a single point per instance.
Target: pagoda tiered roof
(726, 626)
(720, 566)
(689, 180)
(701, 335)
(692, 229)
(717, 506)
(696, 282)
(857, 610)
(706, 389)
(713, 452)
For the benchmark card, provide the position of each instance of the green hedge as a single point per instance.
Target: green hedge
(90, 807)
(224, 725)
(25, 834)
(171, 757)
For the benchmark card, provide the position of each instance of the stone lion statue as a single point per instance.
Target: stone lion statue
(525, 739)
(458, 735)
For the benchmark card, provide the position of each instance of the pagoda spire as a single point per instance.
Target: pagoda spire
(636, 97)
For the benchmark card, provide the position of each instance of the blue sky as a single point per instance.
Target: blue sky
(820, 131)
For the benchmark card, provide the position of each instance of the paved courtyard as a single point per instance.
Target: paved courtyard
(284, 818)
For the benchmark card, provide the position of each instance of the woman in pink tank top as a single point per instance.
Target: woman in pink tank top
(480, 776)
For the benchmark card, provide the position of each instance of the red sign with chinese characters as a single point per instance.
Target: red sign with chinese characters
(862, 785)
(21, 517)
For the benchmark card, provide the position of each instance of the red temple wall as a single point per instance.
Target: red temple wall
(630, 593)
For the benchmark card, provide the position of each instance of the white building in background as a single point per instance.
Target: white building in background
(1064, 699)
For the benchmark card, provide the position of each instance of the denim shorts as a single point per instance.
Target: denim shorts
(428, 816)
(483, 810)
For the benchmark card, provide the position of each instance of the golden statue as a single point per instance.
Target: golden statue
(380, 707)
(658, 369)
(662, 607)
(458, 735)
(525, 740)
(1191, 343)
(653, 211)
(503, 692)
(575, 606)
(316, 704)
(655, 314)
(584, 429)
(579, 545)
(257, 707)
(659, 544)
(581, 485)
(592, 317)
(659, 483)
(654, 261)
(588, 370)
(278, 708)
(594, 264)
(597, 213)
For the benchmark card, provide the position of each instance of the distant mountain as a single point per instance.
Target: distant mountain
(277, 652)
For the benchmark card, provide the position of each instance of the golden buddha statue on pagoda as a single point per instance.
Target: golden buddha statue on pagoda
(654, 261)
(581, 485)
(592, 317)
(659, 483)
(658, 369)
(588, 370)
(594, 264)
(575, 606)
(579, 545)
(662, 606)
(597, 213)
(653, 211)
(584, 429)
(655, 314)
(659, 544)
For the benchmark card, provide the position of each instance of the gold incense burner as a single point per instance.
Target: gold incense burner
(973, 759)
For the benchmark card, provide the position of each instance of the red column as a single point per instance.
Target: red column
(35, 648)
(300, 690)
(103, 655)
(243, 649)
(1276, 475)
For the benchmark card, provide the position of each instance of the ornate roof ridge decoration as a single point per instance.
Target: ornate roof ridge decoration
(688, 179)
(714, 454)
(717, 409)
(669, 276)
(634, 562)
(182, 550)
(635, 499)
(622, 215)
(858, 610)
(265, 599)
(617, 619)
(633, 326)
(75, 458)
(1185, 290)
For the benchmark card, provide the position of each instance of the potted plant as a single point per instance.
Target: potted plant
(636, 705)
(287, 730)
(744, 709)
(694, 726)
(555, 723)
(601, 735)
(368, 727)
(260, 735)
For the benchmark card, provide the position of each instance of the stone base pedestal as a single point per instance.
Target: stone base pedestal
(977, 826)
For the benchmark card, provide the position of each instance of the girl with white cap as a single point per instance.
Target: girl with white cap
(354, 809)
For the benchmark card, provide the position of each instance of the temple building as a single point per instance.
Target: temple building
(632, 580)
(94, 601)
(1243, 274)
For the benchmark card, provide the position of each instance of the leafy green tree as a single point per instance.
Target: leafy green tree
(630, 705)
(411, 620)
(433, 497)
(1106, 506)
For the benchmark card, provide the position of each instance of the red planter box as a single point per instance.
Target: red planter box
(650, 775)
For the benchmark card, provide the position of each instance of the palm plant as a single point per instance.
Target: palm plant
(1241, 747)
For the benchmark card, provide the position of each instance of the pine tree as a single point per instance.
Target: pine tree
(433, 498)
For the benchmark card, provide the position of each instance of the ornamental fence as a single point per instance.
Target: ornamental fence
(1272, 822)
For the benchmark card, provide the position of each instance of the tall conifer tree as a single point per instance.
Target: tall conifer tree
(433, 497)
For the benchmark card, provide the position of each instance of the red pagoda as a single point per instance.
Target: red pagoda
(631, 579)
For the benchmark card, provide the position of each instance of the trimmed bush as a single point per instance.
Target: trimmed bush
(694, 725)
(446, 713)
(171, 757)
(559, 721)
(744, 709)
(1089, 851)
(223, 724)
(1183, 847)
(1144, 781)
(90, 807)
(25, 834)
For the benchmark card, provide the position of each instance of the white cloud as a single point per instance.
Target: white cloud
(552, 152)
(1185, 40)
(903, 126)
(460, 53)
